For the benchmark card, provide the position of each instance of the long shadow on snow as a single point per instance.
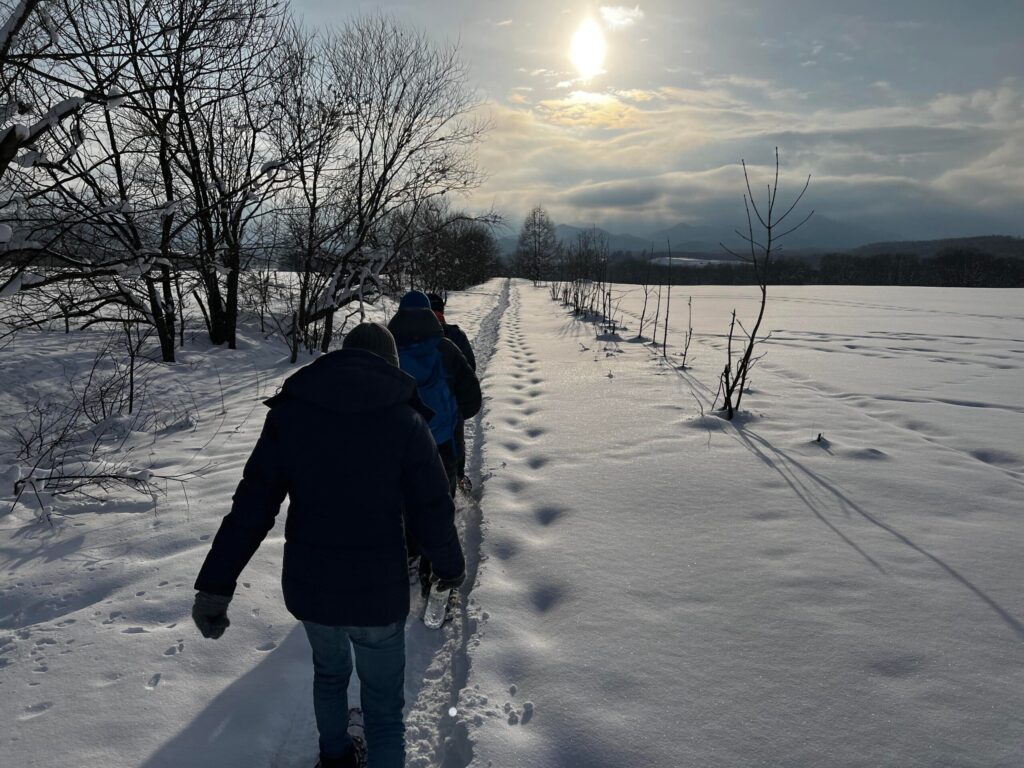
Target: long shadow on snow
(804, 481)
(246, 723)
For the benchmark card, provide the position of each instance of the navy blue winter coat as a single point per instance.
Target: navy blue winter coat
(346, 442)
(411, 325)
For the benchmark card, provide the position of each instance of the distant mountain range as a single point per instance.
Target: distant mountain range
(820, 235)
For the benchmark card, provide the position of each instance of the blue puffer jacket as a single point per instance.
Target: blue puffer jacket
(346, 442)
(409, 326)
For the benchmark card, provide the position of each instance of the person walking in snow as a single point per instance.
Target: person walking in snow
(452, 332)
(458, 337)
(444, 378)
(346, 440)
(447, 385)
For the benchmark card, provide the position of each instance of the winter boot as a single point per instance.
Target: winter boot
(354, 758)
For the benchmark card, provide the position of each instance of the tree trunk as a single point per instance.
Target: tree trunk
(231, 310)
(163, 318)
(325, 342)
(294, 358)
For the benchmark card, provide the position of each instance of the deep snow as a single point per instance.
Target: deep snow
(648, 586)
(662, 589)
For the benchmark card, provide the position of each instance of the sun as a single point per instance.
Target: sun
(587, 49)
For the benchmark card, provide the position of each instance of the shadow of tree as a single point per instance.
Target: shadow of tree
(806, 483)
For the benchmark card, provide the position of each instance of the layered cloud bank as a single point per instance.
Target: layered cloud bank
(909, 116)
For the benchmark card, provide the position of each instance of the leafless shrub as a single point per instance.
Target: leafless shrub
(78, 445)
(689, 331)
(647, 287)
(764, 240)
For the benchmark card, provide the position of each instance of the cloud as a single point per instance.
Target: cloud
(584, 109)
(538, 72)
(638, 94)
(939, 166)
(752, 89)
(621, 16)
(991, 181)
(631, 193)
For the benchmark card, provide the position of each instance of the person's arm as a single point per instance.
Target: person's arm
(429, 509)
(254, 507)
(465, 385)
(462, 342)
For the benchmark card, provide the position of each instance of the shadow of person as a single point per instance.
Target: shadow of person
(264, 718)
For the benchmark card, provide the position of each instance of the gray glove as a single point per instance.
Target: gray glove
(210, 613)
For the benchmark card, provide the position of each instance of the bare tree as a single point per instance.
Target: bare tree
(58, 82)
(313, 212)
(646, 286)
(657, 308)
(445, 250)
(668, 305)
(224, 109)
(32, 48)
(765, 230)
(383, 127)
(585, 266)
(167, 181)
(537, 246)
(234, 135)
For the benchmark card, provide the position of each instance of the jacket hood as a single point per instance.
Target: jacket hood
(412, 325)
(351, 381)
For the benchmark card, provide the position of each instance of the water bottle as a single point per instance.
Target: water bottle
(437, 606)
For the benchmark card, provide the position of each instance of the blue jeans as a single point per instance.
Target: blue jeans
(380, 664)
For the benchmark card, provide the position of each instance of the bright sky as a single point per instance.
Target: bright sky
(909, 114)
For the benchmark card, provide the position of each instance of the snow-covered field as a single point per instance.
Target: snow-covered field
(649, 586)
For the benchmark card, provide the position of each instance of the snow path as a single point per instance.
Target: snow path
(94, 626)
(659, 588)
(437, 660)
(647, 586)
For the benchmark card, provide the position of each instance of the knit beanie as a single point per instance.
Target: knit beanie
(373, 337)
(414, 300)
(436, 302)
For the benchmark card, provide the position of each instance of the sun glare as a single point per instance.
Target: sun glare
(587, 49)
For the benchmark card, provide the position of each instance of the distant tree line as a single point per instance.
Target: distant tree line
(540, 256)
(954, 267)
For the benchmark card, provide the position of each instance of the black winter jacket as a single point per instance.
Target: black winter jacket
(411, 325)
(345, 442)
(458, 337)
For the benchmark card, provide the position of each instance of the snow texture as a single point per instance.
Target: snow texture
(648, 584)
